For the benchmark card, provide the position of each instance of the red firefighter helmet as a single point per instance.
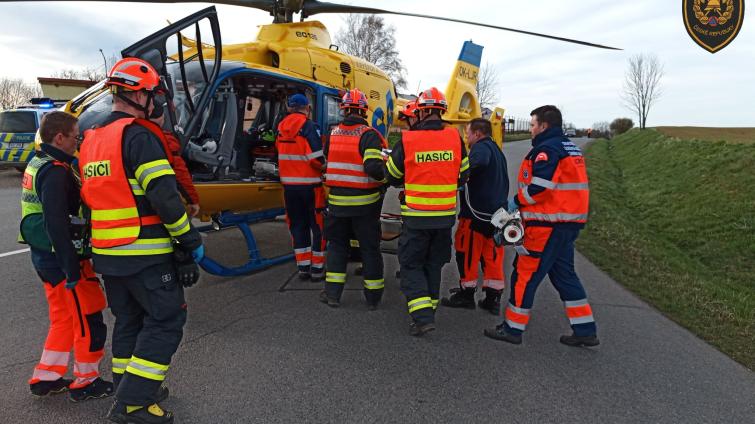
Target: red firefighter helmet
(354, 99)
(432, 99)
(409, 110)
(133, 74)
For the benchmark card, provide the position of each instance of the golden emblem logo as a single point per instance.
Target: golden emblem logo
(713, 24)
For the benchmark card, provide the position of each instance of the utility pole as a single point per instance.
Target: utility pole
(104, 60)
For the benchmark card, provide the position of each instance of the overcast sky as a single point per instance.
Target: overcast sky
(699, 88)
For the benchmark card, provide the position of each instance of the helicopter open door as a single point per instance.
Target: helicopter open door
(171, 51)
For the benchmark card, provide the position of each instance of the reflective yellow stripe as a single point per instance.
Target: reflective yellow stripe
(179, 227)
(115, 233)
(139, 247)
(372, 154)
(464, 165)
(435, 303)
(407, 211)
(353, 200)
(147, 369)
(420, 303)
(113, 214)
(147, 172)
(374, 284)
(450, 201)
(120, 364)
(335, 277)
(135, 187)
(431, 188)
(393, 170)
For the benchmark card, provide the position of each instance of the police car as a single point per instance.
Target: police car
(18, 128)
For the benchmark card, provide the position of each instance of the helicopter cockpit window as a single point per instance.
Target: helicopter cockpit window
(194, 85)
(333, 110)
(237, 131)
(96, 111)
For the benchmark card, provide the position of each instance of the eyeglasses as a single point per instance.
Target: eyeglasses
(79, 138)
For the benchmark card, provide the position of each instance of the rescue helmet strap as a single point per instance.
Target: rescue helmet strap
(144, 109)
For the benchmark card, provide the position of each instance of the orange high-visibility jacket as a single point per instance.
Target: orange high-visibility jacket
(566, 196)
(109, 193)
(345, 167)
(297, 162)
(432, 161)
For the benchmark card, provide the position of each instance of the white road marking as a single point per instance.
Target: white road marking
(15, 252)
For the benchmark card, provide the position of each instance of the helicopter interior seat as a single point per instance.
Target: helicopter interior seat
(215, 145)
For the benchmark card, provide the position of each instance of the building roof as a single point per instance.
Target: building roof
(66, 82)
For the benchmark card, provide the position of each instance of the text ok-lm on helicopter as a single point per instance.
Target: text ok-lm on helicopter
(227, 102)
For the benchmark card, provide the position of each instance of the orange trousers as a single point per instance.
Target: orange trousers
(474, 249)
(75, 323)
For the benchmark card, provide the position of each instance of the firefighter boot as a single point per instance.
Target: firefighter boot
(460, 298)
(330, 301)
(577, 341)
(419, 330)
(153, 414)
(492, 301)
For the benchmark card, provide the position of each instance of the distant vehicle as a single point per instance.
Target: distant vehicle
(18, 128)
(571, 132)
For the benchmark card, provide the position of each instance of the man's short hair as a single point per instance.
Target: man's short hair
(548, 114)
(54, 123)
(481, 125)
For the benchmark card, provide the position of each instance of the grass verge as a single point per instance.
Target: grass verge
(674, 221)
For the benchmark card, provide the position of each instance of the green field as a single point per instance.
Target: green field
(673, 219)
(727, 135)
(516, 137)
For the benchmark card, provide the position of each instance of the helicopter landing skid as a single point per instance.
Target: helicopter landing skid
(256, 261)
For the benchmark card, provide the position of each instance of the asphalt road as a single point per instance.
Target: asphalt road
(259, 349)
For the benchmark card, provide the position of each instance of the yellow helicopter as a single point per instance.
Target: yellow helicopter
(226, 100)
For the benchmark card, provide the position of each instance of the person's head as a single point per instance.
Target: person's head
(298, 103)
(431, 104)
(409, 113)
(477, 129)
(354, 102)
(543, 118)
(60, 130)
(135, 86)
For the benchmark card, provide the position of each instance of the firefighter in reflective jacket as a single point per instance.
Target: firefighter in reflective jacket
(431, 162)
(553, 197)
(355, 175)
(300, 162)
(142, 240)
(52, 226)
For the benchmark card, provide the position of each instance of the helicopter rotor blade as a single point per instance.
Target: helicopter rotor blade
(313, 7)
(266, 5)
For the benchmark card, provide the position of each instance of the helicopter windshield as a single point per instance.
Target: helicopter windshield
(186, 93)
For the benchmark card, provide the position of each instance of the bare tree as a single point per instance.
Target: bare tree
(89, 73)
(642, 85)
(601, 129)
(14, 91)
(368, 37)
(487, 85)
